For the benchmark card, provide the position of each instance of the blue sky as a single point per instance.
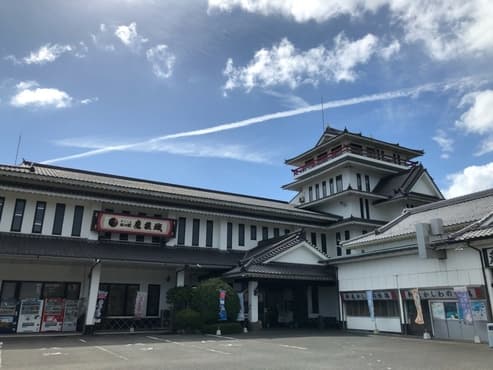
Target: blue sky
(187, 91)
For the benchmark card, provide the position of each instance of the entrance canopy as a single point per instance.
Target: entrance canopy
(288, 257)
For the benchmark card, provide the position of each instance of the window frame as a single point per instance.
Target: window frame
(339, 184)
(182, 229)
(58, 219)
(195, 232)
(39, 216)
(253, 232)
(229, 235)
(209, 233)
(77, 221)
(18, 216)
(241, 235)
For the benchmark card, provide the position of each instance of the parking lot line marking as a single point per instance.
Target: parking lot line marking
(221, 336)
(111, 353)
(52, 354)
(83, 340)
(217, 351)
(153, 338)
(294, 347)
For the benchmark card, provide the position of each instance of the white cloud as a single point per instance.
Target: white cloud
(283, 64)
(29, 94)
(389, 51)
(471, 179)
(189, 149)
(101, 39)
(32, 96)
(479, 117)
(445, 142)
(89, 100)
(162, 61)
(486, 146)
(129, 36)
(289, 100)
(48, 53)
(447, 29)
(411, 92)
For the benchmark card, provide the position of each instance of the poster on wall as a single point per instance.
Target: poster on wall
(464, 304)
(479, 311)
(437, 310)
(70, 315)
(30, 316)
(140, 304)
(98, 312)
(52, 315)
(371, 307)
(417, 303)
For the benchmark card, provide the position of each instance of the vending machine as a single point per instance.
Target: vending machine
(30, 315)
(70, 315)
(52, 315)
(8, 316)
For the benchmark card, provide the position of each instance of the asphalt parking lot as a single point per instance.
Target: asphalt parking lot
(261, 350)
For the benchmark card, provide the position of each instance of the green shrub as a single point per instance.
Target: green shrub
(188, 320)
(225, 327)
(206, 300)
(179, 297)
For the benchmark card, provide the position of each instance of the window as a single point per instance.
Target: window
(209, 229)
(310, 193)
(367, 183)
(182, 224)
(77, 224)
(331, 186)
(358, 182)
(367, 207)
(241, 235)
(156, 239)
(317, 191)
(153, 296)
(2, 202)
(124, 237)
(58, 220)
(338, 242)
(20, 206)
(314, 292)
(364, 232)
(313, 238)
(347, 235)
(253, 232)
(348, 251)
(229, 236)
(323, 240)
(39, 216)
(338, 183)
(324, 188)
(195, 232)
(382, 308)
(361, 208)
(121, 299)
(265, 233)
(276, 232)
(357, 308)
(286, 231)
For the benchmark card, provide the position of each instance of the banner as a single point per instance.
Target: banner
(223, 316)
(464, 304)
(417, 303)
(98, 313)
(371, 308)
(140, 304)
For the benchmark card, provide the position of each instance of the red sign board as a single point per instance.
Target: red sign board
(138, 225)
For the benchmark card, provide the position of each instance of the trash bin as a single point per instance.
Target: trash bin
(489, 329)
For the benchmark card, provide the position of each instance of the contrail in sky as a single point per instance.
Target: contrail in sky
(409, 92)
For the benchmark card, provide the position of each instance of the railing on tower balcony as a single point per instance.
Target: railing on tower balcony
(379, 155)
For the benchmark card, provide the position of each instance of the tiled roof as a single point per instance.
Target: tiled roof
(401, 183)
(455, 212)
(99, 181)
(482, 228)
(270, 248)
(35, 246)
(288, 271)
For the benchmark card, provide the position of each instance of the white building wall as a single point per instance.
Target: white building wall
(387, 324)
(459, 269)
